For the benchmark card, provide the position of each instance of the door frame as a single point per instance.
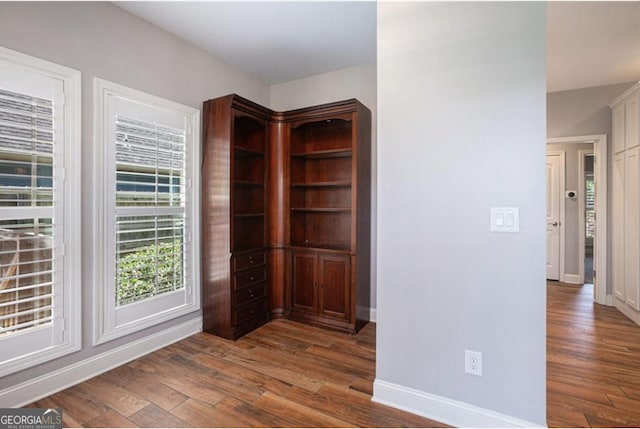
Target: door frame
(600, 247)
(561, 214)
(582, 211)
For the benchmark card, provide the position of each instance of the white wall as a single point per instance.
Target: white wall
(461, 128)
(353, 82)
(102, 40)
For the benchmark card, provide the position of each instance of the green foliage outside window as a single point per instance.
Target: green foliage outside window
(140, 276)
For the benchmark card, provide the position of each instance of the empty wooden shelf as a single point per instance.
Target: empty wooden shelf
(292, 191)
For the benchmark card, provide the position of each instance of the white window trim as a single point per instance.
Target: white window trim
(103, 331)
(72, 258)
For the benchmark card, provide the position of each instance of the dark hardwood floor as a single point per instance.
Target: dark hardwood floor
(593, 361)
(284, 374)
(289, 374)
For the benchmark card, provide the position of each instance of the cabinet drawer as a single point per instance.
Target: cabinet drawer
(246, 278)
(251, 310)
(250, 260)
(250, 293)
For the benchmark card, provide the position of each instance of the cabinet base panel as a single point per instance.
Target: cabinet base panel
(240, 329)
(277, 314)
(325, 322)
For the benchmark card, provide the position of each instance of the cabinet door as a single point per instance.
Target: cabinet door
(632, 228)
(617, 251)
(335, 281)
(632, 122)
(617, 128)
(304, 280)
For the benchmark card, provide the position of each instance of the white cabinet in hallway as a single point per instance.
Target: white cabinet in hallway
(626, 202)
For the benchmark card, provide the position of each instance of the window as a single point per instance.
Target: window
(148, 163)
(39, 201)
(590, 206)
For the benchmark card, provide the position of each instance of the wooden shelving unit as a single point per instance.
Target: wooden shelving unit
(234, 177)
(294, 196)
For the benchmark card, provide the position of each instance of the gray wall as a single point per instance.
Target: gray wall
(102, 40)
(353, 82)
(572, 205)
(582, 112)
(461, 128)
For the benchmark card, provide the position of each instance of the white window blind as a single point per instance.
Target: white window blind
(590, 206)
(150, 163)
(37, 137)
(26, 182)
(26, 159)
(150, 214)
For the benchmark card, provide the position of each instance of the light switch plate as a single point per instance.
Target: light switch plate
(505, 219)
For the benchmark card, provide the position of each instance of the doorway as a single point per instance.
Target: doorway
(575, 203)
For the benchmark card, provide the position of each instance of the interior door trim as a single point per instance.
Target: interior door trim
(600, 174)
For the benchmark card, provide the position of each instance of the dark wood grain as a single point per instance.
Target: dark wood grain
(273, 181)
(234, 214)
(283, 374)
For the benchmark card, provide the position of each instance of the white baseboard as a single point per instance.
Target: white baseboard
(610, 301)
(572, 278)
(444, 410)
(48, 384)
(628, 311)
(372, 315)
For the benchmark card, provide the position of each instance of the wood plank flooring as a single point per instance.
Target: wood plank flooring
(284, 374)
(288, 374)
(593, 361)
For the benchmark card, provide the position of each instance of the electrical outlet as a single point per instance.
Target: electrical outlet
(473, 362)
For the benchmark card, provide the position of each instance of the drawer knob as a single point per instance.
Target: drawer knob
(253, 312)
(251, 278)
(251, 294)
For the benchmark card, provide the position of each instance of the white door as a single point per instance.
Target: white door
(553, 216)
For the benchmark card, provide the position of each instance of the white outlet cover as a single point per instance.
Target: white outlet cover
(473, 362)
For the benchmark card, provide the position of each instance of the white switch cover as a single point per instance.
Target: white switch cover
(505, 219)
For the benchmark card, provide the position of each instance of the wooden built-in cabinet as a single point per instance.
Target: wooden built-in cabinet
(234, 224)
(292, 191)
(320, 289)
(625, 261)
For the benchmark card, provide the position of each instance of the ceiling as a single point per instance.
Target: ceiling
(592, 44)
(589, 43)
(275, 41)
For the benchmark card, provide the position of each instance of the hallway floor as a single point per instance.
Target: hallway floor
(593, 361)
